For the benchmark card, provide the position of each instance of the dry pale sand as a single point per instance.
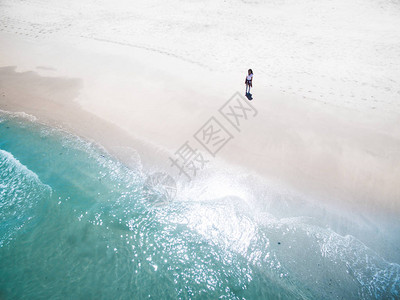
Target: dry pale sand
(130, 98)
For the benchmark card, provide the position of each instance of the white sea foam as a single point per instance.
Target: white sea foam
(20, 114)
(230, 223)
(12, 165)
(21, 189)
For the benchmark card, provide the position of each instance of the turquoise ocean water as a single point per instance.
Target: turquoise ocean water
(76, 224)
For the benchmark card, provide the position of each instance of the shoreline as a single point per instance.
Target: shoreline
(345, 157)
(248, 189)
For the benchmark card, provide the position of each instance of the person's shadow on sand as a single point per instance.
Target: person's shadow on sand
(249, 96)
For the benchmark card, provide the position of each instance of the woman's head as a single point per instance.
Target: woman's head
(250, 71)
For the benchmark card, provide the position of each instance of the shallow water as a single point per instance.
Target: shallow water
(76, 223)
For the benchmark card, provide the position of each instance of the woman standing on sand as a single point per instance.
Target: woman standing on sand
(249, 80)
